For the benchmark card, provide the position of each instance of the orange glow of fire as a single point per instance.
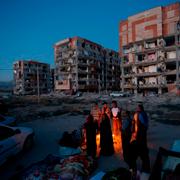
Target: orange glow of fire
(98, 144)
(116, 141)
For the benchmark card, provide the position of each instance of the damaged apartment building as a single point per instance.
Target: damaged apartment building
(31, 77)
(82, 65)
(150, 50)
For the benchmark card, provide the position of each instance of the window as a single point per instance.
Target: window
(78, 43)
(141, 57)
(83, 45)
(2, 118)
(170, 41)
(5, 132)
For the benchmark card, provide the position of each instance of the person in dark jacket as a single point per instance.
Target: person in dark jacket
(138, 145)
(106, 140)
(126, 134)
(91, 127)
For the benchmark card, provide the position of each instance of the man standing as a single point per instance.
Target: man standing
(126, 134)
(96, 113)
(106, 109)
(139, 140)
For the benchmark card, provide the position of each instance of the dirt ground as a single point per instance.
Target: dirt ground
(56, 114)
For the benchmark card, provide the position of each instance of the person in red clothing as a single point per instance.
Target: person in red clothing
(116, 118)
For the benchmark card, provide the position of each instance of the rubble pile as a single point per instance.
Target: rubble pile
(163, 109)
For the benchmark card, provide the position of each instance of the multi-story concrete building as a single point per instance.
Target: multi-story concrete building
(52, 79)
(85, 66)
(150, 50)
(31, 77)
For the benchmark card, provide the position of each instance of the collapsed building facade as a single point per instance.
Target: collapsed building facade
(82, 65)
(31, 77)
(150, 50)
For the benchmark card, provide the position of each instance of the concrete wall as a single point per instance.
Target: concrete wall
(149, 24)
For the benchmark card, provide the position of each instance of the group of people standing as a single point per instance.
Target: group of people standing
(115, 121)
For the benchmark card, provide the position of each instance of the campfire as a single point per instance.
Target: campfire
(116, 141)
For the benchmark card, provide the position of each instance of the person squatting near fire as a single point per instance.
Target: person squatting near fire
(138, 144)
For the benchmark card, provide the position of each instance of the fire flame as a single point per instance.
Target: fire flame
(116, 141)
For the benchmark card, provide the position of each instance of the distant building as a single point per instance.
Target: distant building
(150, 50)
(31, 75)
(82, 65)
(52, 79)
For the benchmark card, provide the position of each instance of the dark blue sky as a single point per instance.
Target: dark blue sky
(30, 28)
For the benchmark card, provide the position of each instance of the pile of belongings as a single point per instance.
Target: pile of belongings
(73, 139)
(70, 143)
(77, 167)
(120, 173)
(40, 170)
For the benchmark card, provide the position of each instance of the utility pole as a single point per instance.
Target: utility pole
(99, 74)
(99, 86)
(122, 74)
(38, 84)
(177, 36)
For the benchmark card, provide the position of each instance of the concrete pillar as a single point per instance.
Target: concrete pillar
(136, 58)
(136, 85)
(77, 84)
(135, 91)
(159, 90)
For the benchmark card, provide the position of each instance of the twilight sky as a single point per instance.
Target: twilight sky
(30, 28)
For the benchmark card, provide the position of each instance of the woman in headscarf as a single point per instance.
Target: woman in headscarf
(106, 140)
(91, 128)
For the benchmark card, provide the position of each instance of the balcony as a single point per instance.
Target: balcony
(81, 86)
(172, 47)
(128, 86)
(170, 72)
(127, 75)
(148, 86)
(147, 62)
(127, 64)
(147, 74)
(171, 60)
